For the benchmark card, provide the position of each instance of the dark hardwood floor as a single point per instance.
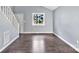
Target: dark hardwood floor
(38, 43)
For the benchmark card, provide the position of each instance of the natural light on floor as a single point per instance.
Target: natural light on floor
(38, 44)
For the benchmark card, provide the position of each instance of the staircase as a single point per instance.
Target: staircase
(9, 27)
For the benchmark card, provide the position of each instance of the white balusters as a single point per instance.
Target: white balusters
(10, 15)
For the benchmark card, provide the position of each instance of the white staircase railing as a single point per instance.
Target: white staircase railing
(6, 10)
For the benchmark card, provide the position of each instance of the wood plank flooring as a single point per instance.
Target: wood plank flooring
(38, 43)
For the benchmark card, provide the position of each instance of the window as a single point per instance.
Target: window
(38, 18)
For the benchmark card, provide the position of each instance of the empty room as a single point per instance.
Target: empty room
(39, 29)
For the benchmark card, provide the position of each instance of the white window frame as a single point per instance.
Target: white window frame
(38, 24)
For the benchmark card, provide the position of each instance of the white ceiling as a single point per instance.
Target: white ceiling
(51, 7)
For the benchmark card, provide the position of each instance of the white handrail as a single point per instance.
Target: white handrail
(10, 15)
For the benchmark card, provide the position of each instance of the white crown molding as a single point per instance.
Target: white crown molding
(51, 7)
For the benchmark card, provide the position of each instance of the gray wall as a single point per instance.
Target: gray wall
(66, 23)
(28, 10)
(6, 26)
(1, 40)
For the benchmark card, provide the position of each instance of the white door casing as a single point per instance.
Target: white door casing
(20, 19)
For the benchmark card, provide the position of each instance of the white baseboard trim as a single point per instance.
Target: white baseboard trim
(67, 42)
(35, 32)
(9, 43)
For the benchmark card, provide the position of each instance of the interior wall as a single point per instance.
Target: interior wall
(27, 11)
(66, 21)
(7, 31)
(1, 40)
